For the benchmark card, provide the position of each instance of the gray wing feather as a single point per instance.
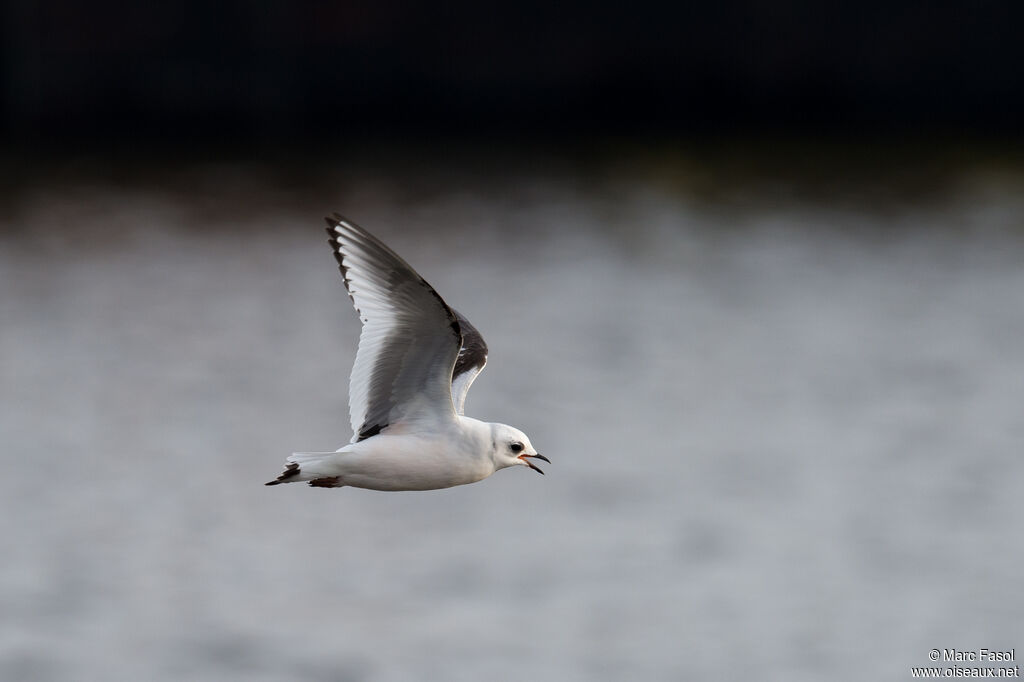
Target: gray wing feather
(410, 341)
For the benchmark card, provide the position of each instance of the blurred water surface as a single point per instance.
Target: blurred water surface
(785, 426)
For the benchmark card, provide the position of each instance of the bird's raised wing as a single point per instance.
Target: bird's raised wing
(410, 340)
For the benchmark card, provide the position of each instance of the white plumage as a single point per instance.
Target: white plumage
(416, 360)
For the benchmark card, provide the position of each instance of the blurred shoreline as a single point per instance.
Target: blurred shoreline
(873, 174)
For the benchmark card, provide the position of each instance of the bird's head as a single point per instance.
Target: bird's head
(512, 447)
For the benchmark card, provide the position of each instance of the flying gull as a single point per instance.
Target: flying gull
(416, 360)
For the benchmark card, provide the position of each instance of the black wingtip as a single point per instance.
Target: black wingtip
(335, 219)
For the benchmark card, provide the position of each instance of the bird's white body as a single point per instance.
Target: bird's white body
(416, 360)
(406, 458)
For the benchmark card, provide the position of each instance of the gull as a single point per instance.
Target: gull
(416, 360)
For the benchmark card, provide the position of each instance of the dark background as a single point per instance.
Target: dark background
(305, 73)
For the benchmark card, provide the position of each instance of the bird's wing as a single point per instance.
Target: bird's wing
(410, 339)
(471, 361)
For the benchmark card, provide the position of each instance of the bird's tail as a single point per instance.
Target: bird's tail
(314, 467)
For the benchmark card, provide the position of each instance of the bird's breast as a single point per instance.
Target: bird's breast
(403, 462)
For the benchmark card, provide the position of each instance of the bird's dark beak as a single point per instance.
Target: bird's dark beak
(531, 464)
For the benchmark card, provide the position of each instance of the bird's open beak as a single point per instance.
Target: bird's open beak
(530, 464)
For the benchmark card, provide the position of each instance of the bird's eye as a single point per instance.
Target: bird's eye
(516, 447)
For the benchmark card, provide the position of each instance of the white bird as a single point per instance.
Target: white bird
(416, 360)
